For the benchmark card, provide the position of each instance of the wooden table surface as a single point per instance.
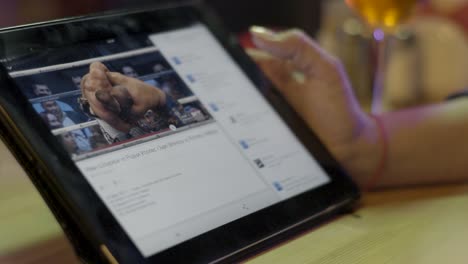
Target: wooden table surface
(417, 226)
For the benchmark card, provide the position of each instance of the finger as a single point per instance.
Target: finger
(117, 78)
(108, 101)
(98, 73)
(112, 119)
(278, 71)
(292, 45)
(89, 84)
(97, 80)
(257, 54)
(99, 66)
(123, 97)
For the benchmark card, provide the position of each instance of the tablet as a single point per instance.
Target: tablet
(155, 139)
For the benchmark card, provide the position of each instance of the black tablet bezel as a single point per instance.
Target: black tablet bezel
(46, 159)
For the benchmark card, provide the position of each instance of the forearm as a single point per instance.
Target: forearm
(425, 145)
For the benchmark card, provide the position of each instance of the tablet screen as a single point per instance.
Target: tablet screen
(213, 150)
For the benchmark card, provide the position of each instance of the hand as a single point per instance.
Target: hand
(117, 99)
(315, 84)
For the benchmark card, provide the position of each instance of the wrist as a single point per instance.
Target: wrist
(362, 156)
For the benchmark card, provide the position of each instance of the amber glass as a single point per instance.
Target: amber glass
(383, 14)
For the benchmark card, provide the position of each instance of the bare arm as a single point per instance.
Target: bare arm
(426, 145)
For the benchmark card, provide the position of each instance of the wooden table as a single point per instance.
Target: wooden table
(417, 226)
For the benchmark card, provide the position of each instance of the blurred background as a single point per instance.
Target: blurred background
(237, 14)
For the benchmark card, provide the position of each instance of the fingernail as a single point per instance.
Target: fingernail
(255, 53)
(251, 51)
(262, 32)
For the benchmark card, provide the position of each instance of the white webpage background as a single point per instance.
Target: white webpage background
(183, 181)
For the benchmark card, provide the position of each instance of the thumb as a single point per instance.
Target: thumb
(291, 45)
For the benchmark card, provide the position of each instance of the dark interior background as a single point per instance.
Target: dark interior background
(238, 15)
